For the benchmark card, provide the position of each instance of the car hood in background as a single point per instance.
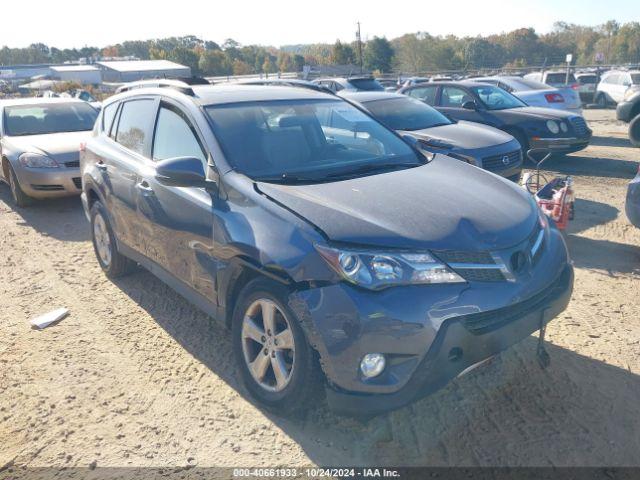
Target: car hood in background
(467, 135)
(444, 205)
(527, 113)
(59, 146)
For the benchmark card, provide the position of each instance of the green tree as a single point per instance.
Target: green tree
(185, 56)
(342, 54)
(378, 55)
(214, 62)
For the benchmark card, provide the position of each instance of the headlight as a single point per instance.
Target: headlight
(35, 160)
(553, 126)
(376, 270)
(564, 127)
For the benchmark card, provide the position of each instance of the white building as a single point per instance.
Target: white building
(83, 74)
(122, 72)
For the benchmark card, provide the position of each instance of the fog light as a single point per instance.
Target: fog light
(372, 364)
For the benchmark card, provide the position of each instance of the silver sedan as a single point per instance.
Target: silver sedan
(40, 143)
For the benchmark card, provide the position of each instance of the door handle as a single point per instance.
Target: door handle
(101, 166)
(144, 187)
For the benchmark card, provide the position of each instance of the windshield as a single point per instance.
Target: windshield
(312, 141)
(406, 113)
(495, 98)
(22, 120)
(367, 84)
(587, 79)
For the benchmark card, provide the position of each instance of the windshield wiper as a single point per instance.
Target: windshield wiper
(374, 168)
(287, 178)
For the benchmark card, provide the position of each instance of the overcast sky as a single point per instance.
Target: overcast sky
(73, 23)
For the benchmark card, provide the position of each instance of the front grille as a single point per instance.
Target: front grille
(484, 266)
(77, 181)
(47, 188)
(75, 164)
(479, 323)
(451, 256)
(481, 274)
(579, 125)
(502, 161)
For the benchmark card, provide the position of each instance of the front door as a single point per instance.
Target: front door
(179, 220)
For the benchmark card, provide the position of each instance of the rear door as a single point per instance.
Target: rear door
(123, 164)
(179, 221)
(428, 94)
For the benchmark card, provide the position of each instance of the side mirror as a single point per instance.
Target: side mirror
(181, 172)
(470, 105)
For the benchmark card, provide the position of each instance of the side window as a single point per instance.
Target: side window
(454, 97)
(135, 125)
(426, 94)
(505, 87)
(336, 87)
(108, 114)
(175, 137)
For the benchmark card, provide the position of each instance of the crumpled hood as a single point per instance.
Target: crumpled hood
(444, 205)
(59, 146)
(466, 135)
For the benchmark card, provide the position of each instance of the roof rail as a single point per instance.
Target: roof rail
(181, 86)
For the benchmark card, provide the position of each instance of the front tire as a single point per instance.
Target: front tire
(112, 262)
(278, 366)
(601, 100)
(20, 198)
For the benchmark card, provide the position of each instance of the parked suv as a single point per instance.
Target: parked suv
(614, 85)
(628, 110)
(356, 263)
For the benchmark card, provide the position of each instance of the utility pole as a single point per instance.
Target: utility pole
(359, 40)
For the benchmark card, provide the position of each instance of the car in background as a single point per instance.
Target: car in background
(559, 79)
(536, 94)
(285, 82)
(411, 81)
(356, 84)
(614, 85)
(587, 83)
(354, 264)
(389, 84)
(480, 145)
(632, 204)
(40, 141)
(628, 111)
(557, 131)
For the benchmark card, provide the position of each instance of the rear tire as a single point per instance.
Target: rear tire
(112, 262)
(261, 316)
(20, 198)
(601, 100)
(634, 131)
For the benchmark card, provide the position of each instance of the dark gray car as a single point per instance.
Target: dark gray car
(480, 145)
(632, 205)
(358, 265)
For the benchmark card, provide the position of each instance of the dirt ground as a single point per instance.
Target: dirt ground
(136, 376)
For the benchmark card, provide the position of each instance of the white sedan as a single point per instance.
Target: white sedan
(536, 94)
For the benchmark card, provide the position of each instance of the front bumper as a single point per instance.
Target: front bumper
(560, 145)
(457, 349)
(49, 182)
(419, 327)
(632, 204)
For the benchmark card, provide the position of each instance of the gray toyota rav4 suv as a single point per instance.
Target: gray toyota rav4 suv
(352, 263)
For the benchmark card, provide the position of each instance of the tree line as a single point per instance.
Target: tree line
(608, 43)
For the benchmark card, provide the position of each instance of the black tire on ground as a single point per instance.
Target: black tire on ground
(117, 265)
(306, 380)
(20, 198)
(601, 100)
(634, 131)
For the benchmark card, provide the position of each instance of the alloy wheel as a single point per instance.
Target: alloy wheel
(102, 239)
(268, 345)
